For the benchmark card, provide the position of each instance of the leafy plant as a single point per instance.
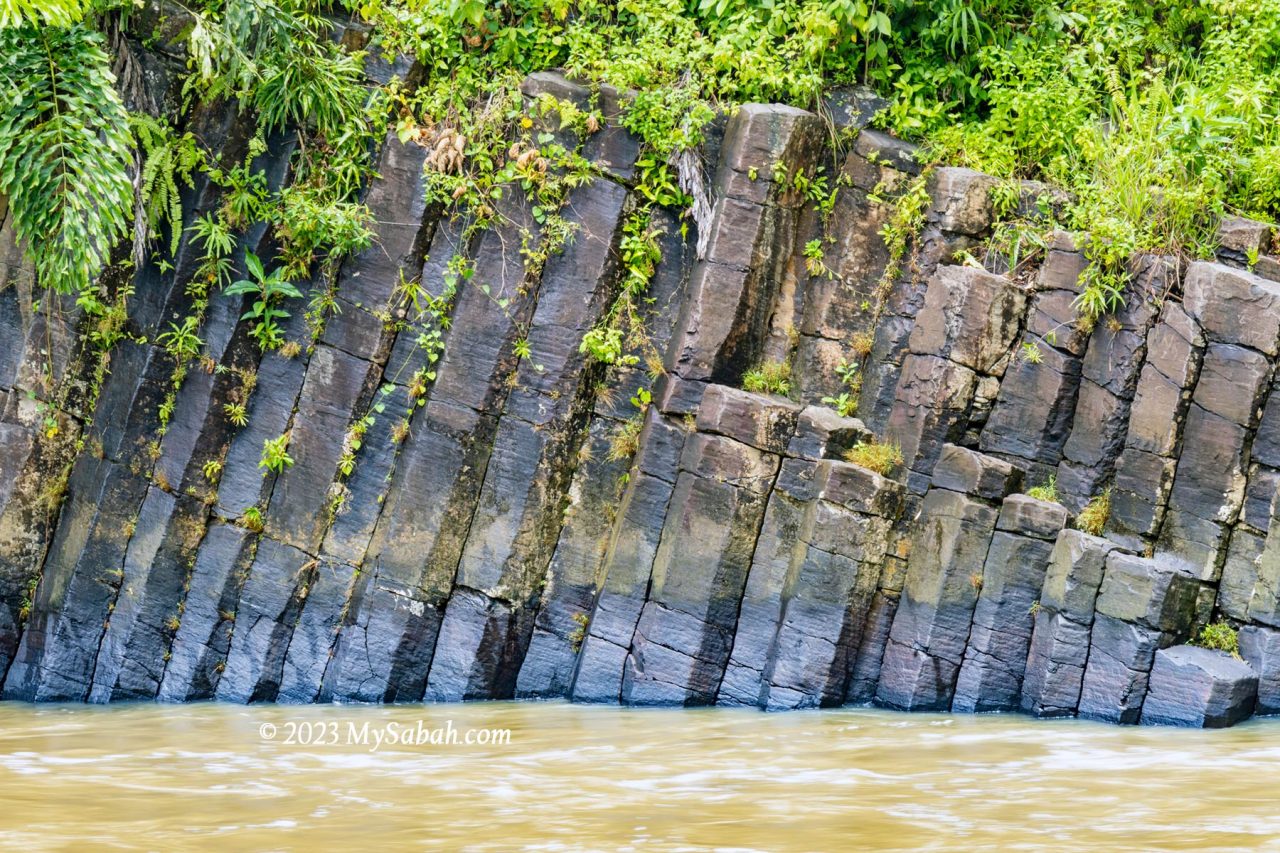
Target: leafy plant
(846, 402)
(768, 377)
(1220, 637)
(64, 147)
(275, 455)
(181, 342)
(211, 469)
(169, 159)
(236, 413)
(1047, 491)
(267, 291)
(252, 519)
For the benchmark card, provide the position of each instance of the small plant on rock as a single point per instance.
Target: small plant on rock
(579, 634)
(768, 377)
(874, 456)
(252, 519)
(1047, 491)
(267, 292)
(1093, 518)
(275, 456)
(236, 413)
(1220, 637)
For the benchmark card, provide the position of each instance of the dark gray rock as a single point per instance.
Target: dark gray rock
(1191, 686)
(1054, 671)
(627, 572)
(929, 403)
(776, 554)
(990, 678)
(265, 616)
(1028, 516)
(699, 573)
(200, 646)
(1234, 306)
(859, 489)
(1116, 675)
(969, 316)
(1260, 647)
(1143, 591)
(1034, 408)
(1142, 485)
(325, 601)
(822, 433)
(931, 627)
(962, 470)
(884, 148)
(763, 421)
(865, 674)
(1239, 573)
(1074, 575)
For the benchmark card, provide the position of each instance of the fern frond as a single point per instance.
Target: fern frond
(64, 151)
(168, 160)
(50, 13)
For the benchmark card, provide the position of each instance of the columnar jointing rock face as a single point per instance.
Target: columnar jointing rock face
(529, 532)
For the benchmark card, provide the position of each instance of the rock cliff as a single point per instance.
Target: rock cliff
(535, 533)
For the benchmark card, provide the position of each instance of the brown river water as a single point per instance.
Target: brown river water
(220, 777)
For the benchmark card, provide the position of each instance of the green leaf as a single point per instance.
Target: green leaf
(254, 265)
(65, 148)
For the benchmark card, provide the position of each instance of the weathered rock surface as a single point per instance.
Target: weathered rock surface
(1191, 686)
(510, 517)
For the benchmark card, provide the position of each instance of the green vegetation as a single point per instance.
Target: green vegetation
(846, 402)
(1156, 117)
(1220, 637)
(874, 456)
(1093, 518)
(1046, 491)
(768, 377)
(275, 455)
(267, 292)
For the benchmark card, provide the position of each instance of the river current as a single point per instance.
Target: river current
(550, 776)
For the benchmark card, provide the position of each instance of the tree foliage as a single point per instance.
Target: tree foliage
(65, 147)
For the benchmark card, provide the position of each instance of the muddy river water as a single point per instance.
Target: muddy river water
(502, 776)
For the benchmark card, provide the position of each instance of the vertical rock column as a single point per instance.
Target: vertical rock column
(632, 548)
(595, 494)
(944, 574)
(964, 332)
(1033, 411)
(828, 592)
(488, 621)
(684, 636)
(1063, 622)
(1240, 314)
(1145, 468)
(959, 212)
(780, 549)
(1108, 377)
(724, 320)
(994, 663)
(1142, 606)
